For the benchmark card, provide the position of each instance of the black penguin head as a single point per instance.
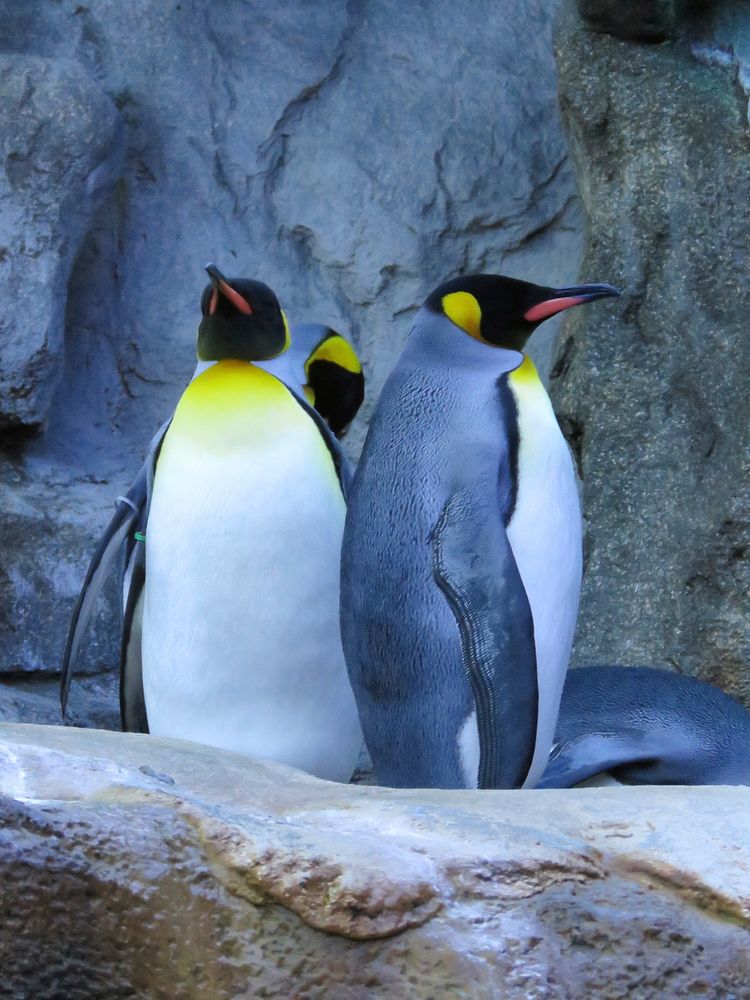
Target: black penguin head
(335, 383)
(242, 320)
(504, 312)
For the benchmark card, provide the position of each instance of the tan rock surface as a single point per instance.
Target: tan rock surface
(131, 866)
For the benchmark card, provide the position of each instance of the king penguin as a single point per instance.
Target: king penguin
(461, 562)
(231, 638)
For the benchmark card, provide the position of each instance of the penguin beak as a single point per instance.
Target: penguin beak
(221, 284)
(565, 298)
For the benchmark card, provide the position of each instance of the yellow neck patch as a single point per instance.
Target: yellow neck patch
(463, 309)
(526, 373)
(338, 351)
(233, 400)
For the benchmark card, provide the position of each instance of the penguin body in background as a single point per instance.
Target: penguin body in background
(647, 727)
(239, 512)
(461, 560)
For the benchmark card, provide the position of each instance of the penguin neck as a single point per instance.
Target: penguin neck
(434, 337)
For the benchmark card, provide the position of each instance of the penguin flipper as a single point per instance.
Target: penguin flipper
(133, 718)
(127, 509)
(583, 757)
(474, 566)
(343, 466)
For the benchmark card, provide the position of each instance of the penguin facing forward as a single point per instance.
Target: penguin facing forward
(647, 727)
(461, 562)
(122, 540)
(238, 515)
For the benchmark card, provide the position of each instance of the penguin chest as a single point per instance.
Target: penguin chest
(545, 534)
(241, 644)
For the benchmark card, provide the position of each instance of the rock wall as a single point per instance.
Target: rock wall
(132, 866)
(653, 389)
(352, 155)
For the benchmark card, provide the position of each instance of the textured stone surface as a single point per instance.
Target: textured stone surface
(130, 865)
(94, 701)
(352, 155)
(61, 152)
(652, 388)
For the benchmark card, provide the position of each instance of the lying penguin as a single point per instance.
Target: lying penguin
(461, 562)
(647, 727)
(238, 513)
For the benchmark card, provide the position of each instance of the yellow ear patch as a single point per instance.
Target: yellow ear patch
(339, 352)
(463, 309)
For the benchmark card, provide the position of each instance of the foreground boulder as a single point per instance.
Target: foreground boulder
(157, 868)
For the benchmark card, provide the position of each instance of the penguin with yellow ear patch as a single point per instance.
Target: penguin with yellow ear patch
(323, 368)
(238, 514)
(461, 562)
(320, 367)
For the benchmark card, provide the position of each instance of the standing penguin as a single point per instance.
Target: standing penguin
(461, 562)
(235, 624)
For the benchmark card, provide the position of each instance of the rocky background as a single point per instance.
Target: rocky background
(353, 155)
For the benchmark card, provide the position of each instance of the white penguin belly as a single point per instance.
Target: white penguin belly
(241, 643)
(546, 537)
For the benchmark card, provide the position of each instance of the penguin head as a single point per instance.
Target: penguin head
(334, 382)
(504, 312)
(242, 320)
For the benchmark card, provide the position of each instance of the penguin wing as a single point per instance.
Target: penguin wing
(575, 760)
(133, 716)
(131, 513)
(474, 566)
(343, 466)
(132, 702)
(127, 510)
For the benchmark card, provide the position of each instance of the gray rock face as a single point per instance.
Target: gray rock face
(351, 155)
(157, 868)
(60, 154)
(653, 388)
(94, 702)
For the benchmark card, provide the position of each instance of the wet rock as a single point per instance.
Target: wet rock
(131, 865)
